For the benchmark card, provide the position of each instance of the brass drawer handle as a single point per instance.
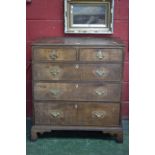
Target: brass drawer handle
(53, 55)
(99, 55)
(99, 114)
(100, 72)
(56, 114)
(55, 92)
(55, 71)
(99, 92)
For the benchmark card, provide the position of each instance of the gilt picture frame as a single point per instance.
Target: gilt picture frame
(83, 16)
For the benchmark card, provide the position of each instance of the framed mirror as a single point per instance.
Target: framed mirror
(89, 16)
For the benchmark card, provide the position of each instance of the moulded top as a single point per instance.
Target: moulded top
(78, 41)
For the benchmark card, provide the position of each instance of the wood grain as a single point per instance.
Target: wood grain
(77, 85)
(60, 71)
(43, 114)
(107, 55)
(77, 92)
(66, 54)
(77, 113)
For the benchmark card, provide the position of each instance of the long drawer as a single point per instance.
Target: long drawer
(52, 71)
(84, 114)
(77, 91)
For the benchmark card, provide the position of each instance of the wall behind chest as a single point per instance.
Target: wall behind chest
(44, 18)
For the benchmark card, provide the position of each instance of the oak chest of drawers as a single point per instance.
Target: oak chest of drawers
(77, 85)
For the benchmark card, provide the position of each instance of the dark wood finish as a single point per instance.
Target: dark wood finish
(60, 71)
(114, 131)
(34, 134)
(55, 114)
(54, 54)
(77, 85)
(76, 42)
(48, 128)
(77, 113)
(119, 137)
(105, 55)
(98, 114)
(77, 92)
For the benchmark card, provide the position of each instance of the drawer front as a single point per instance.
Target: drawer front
(54, 54)
(49, 71)
(103, 55)
(54, 114)
(98, 114)
(77, 92)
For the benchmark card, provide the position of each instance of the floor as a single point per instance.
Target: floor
(77, 143)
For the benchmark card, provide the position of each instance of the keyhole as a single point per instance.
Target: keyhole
(75, 106)
(77, 66)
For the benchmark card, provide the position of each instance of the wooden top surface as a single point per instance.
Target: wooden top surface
(78, 41)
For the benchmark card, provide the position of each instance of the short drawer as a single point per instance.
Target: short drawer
(77, 92)
(49, 71)
(98, 114)
(54, 54)
(54, 113)
(103, 55)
